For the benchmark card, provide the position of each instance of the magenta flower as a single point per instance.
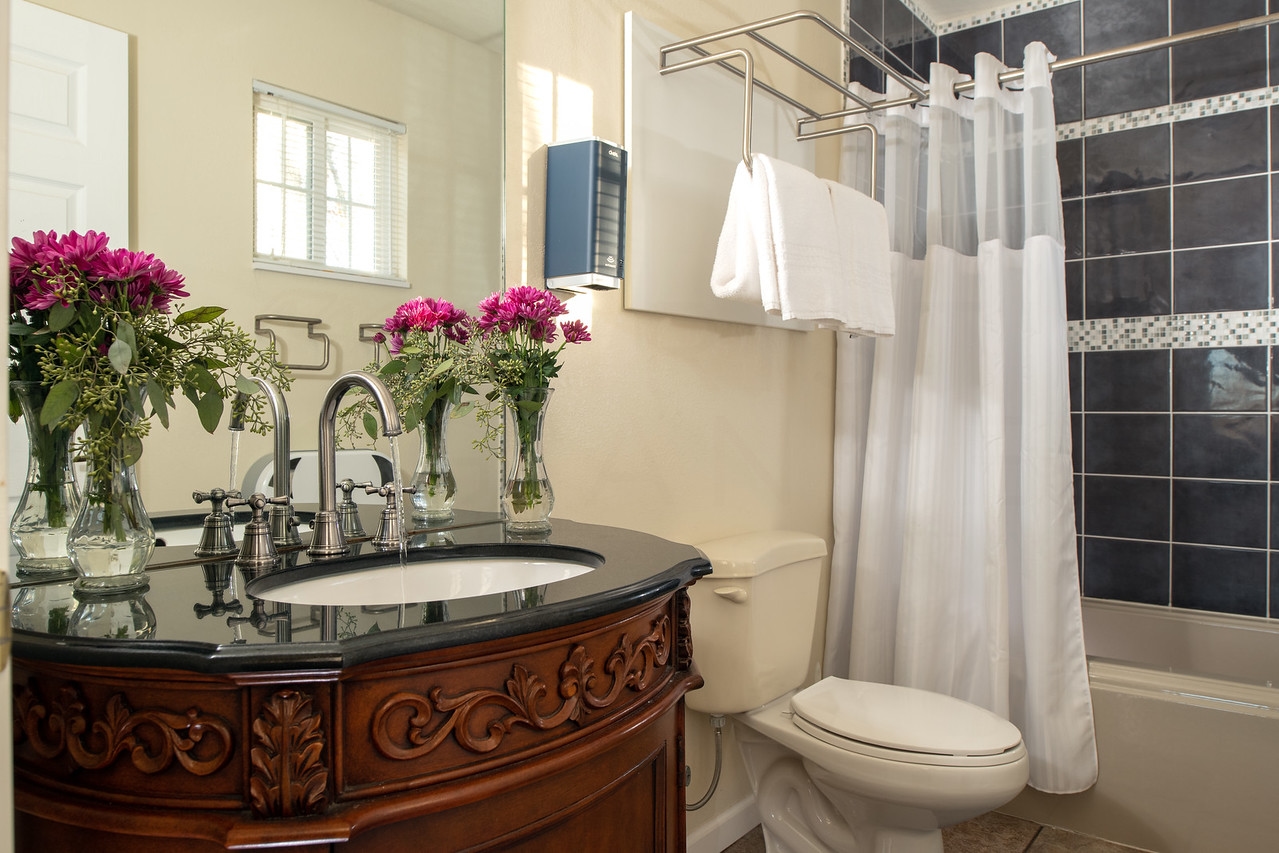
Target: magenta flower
(575, 332)
(520, 335)
(425, 314)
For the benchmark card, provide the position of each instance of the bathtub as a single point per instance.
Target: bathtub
(1186, 706)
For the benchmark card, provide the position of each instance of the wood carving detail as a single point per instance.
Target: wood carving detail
(684, 635)
(404, 728)
(289, 777)
(153, 739)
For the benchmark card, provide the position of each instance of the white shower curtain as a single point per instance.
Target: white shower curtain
(954, 568)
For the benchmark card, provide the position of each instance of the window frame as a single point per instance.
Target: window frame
(390, 192)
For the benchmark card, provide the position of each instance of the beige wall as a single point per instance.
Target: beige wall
(193, 65)
(688, 429)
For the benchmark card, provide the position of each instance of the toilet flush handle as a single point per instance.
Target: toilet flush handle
(735, 594)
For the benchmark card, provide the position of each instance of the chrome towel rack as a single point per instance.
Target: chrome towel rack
(917, 90)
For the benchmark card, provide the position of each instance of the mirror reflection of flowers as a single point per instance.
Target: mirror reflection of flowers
(426, 341)
(94, 325)
(427, 375)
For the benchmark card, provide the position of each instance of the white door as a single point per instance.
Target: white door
(68, 142)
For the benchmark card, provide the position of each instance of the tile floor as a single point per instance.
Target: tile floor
(990, 833)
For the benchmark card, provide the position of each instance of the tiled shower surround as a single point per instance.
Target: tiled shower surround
(1169, 166)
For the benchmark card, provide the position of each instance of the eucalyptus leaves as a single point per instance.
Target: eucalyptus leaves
(93, 325)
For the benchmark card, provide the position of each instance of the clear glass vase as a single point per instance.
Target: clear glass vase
(112, 537)
(434, 486)
(527, 498)
(50, 496)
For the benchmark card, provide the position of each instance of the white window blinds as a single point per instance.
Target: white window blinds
(329, 189)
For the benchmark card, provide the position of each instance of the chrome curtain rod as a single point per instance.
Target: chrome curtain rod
(1064, 64)
(917, 92)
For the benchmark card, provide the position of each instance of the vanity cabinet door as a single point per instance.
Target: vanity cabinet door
(624, 799)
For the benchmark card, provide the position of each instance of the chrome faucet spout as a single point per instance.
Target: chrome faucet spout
(328, 540)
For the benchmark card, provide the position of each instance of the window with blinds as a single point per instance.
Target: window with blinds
(329, 189)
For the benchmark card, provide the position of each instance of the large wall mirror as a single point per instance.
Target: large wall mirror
(434, 66)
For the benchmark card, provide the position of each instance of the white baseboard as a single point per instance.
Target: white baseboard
(732, 824)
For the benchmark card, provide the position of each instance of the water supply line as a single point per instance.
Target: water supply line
(717, 723)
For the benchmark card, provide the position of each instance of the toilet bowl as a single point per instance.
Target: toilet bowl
(841, 765)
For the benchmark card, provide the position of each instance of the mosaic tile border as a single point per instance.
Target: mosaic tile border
(1171, 113)
(1176, 331)
(1010, 11)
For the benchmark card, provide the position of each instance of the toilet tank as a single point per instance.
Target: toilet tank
(753, 618)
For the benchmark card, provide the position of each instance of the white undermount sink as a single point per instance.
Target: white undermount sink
(422, 580)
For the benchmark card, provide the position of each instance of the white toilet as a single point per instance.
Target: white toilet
(841, 765)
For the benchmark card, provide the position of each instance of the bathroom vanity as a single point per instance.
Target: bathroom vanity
(542, 718)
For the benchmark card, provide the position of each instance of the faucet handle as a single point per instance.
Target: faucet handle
(216, 538)
(388, 532)
(214, 496)
(348, 486)
(349, 512)
(258, 551)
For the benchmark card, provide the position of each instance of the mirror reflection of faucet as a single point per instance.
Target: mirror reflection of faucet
(217, 580)
(284, 524)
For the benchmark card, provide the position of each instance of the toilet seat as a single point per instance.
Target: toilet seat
(904, 724)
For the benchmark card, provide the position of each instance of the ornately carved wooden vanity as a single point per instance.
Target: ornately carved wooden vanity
(547, 719)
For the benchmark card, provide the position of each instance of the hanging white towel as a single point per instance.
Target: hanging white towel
(864, 305)
(735, 274)
(798, 246)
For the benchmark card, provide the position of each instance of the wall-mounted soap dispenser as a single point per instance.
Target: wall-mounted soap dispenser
(585, 215)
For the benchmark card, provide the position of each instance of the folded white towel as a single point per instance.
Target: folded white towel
(798, 246)
(864, 304)
(735, 274)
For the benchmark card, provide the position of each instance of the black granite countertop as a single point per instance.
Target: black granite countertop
(200, 616)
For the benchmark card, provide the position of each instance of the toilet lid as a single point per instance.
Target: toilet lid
(904, 719)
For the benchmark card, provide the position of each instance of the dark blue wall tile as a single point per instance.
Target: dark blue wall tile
(1219, 579)
(1219, 212)
(1128, 381)
(1274, 525)
(1127, 444)
(1127, 222)
(1219, 65)
(1233, 278)
(1223, 447)
(870, 15)
(1130, 507)
(1070, 167)
(1220, 146)
(1126, 571)
(1219, 379)
(1136, 82)
(1077, 442)
(1074, 290)
(1059, 28)
(925, 54)
(901, 30)
(1127, 160)
(1210, 512)
(1128, 286)
(957, 49)
(1072, 213)
(1075, 364)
